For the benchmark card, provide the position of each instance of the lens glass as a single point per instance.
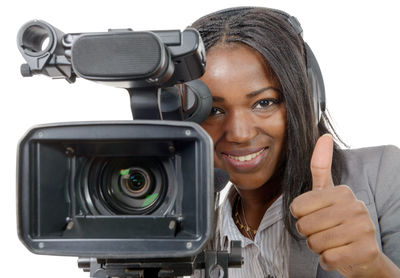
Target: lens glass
(135, 180)
(124, 186)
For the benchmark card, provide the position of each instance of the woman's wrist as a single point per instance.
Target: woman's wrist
(381, 267)
(384, 267)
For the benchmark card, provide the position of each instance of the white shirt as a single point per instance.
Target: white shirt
(268, 254)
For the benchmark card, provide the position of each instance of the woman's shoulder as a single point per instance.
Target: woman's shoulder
(372, 159)
(376, 167)
(374, 175)
(373, 154)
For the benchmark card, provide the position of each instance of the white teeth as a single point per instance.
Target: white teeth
(246, 157)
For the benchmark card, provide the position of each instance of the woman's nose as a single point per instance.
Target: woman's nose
(239, 127)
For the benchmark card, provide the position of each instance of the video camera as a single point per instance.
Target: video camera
(130, 198)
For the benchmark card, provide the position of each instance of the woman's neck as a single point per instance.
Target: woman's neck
(256, 202)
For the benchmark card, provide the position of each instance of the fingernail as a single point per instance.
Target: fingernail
(297, 228)
(324, 265)
(291, 211)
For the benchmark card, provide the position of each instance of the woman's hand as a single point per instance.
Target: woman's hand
(337, 225)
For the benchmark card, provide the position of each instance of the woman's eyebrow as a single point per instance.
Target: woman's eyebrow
(255, 93)
(218, 99)
(249, 95)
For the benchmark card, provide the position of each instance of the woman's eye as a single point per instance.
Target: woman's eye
(216, 111)
(265, 103)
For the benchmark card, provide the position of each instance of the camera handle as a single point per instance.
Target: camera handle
(145, 103)
(155, 103)
(214, 263)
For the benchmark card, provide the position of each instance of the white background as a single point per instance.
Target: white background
(356, 43)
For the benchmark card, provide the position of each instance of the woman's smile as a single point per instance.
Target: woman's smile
(245, 160)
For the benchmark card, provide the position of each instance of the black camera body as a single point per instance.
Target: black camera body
(123, 189)
(131, 198)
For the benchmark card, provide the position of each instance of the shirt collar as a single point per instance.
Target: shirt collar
(272, 215)
(228, 229)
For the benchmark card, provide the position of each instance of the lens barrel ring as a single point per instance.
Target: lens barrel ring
(116, 195)
(102, 192)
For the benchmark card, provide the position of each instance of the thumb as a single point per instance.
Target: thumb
(321, 163)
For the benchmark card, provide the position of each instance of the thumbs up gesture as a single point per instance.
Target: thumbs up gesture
(336, 225)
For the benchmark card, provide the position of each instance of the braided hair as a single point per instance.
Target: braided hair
(269, 33)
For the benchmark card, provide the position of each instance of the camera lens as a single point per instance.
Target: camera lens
(125, 186)
(135, 181)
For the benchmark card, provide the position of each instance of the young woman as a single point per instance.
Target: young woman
(301, 206)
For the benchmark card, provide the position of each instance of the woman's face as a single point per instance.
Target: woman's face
(248, 120)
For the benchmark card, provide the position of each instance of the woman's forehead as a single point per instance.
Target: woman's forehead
(238, 66)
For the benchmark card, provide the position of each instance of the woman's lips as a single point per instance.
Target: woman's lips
(245, 160)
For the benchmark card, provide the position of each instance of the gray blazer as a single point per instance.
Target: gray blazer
(374, 176)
